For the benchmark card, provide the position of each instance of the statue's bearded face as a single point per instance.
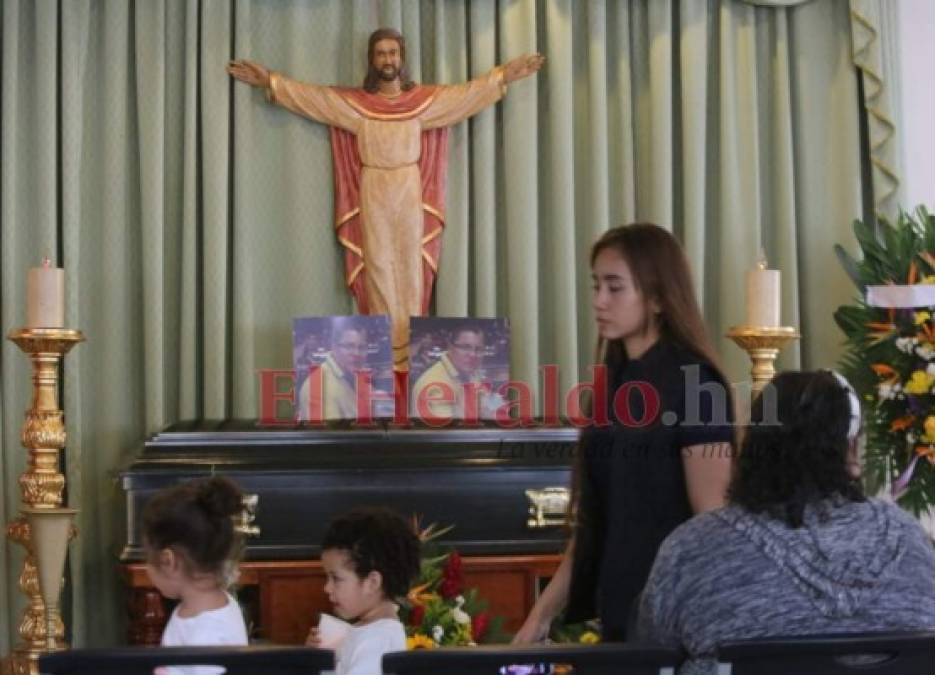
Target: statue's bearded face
(387, 59)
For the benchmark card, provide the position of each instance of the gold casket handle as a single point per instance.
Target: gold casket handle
(548, 507)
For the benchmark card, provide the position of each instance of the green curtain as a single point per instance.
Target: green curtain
(194, 220)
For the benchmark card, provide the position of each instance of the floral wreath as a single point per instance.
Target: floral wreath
(890, 353)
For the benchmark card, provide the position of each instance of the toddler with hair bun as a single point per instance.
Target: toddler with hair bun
(191, 556)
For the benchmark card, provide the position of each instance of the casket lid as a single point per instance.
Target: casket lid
(247, 443)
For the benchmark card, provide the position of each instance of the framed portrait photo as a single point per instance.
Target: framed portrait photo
(457, 368)
(337, 358)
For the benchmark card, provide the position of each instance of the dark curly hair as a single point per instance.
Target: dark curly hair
(377, 539)
(195, 520)
(794, 451)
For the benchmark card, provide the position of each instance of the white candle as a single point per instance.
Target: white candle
(762, 296)
(45, 296)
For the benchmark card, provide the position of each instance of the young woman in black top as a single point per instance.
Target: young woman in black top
(665, 451)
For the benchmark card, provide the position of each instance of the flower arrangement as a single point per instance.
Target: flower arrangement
(890, 355)
(439, 611)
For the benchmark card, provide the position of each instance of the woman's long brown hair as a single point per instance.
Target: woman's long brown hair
(660, 271)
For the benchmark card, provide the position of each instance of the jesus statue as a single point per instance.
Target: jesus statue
(389, 145)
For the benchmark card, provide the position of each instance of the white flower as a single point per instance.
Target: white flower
(926, 352)
(459, 601)
(438, 633)
(886, 391)
(460, 616)
(906, 344)
(930, 369)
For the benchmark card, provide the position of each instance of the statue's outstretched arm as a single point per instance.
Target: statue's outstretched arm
(247, 71)
(522, 66)
(316, 102)
(455, 103)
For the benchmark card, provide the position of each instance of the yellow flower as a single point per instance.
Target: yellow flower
(420, 641)
(930, 279)
(929, 426)
(919, 383)
(589, 637)
(921, 317)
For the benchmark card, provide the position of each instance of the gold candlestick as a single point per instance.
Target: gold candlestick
(41, 485)
(762, 344)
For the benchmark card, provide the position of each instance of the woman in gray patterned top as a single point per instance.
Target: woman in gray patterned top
(799, 550)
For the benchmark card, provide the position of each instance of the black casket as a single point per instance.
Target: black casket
(503, 490)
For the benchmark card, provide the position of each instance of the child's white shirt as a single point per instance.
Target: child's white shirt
(222, 626)
(362, 649)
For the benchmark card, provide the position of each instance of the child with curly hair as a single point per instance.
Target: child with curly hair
(370, 556)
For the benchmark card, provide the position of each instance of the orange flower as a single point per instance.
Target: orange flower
(902, 423)
(880, 332)
(429, 533)
(417, 596)
(927, 451)
(885, 371)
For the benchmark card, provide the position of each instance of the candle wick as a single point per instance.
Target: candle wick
(761, 261)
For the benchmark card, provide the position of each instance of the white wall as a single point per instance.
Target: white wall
(916, 45)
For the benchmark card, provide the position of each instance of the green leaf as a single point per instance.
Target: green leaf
(850, 266)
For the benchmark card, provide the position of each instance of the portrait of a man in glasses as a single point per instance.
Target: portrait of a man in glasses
(455, 385)
(329, 391)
